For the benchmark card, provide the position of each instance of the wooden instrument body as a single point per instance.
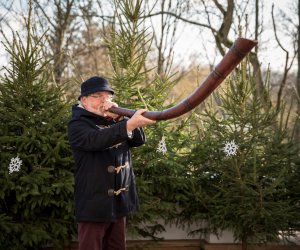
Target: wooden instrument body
(232, 58)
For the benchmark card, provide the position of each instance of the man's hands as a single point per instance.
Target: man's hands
(138, 120)
(106, 106)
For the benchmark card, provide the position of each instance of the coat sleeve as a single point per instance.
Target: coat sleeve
(84, 137)
(138, 138)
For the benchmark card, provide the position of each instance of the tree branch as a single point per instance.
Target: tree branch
(178, 17)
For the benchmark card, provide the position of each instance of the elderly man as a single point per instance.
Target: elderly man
(105, 191)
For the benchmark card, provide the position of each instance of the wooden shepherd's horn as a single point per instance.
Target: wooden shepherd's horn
(232, 58)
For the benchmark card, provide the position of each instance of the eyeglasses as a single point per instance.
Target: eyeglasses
(100, 97)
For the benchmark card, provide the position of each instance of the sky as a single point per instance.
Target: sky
(190, 43)
(270, 54)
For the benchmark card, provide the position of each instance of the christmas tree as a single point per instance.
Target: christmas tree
(36, 204)
(244, 167)
(157, 164)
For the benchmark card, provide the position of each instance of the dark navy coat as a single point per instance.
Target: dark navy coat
(105, 187)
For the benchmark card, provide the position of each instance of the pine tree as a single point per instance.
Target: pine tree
(36, 204)
(244, 167)
(247, 191)
(159, 176)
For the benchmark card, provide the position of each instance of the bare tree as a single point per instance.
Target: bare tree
(165, 32)
(219, 20)
(7, 7)
(286, 28)
(297, 132)
(80, 49)
(289, 60)
(59, 16)
(89, 50)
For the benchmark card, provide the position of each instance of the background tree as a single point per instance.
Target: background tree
(242, 167)
(168, 190)
(165, 32)
(89, 53)
(60, 18)
(298, 75)
(286, 30)
(36, 204)
(219, 19)
(129, 46)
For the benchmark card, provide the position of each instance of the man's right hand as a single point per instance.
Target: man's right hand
(138, 120)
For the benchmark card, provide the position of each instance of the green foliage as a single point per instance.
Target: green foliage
(36, 204)
(253, 193)
(128, 47)
(250, 193)
(159, 176)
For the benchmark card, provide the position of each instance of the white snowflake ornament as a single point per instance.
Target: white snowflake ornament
(14, 165)
(162, 148)
(230, 148)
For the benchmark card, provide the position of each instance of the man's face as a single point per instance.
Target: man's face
(94, 102)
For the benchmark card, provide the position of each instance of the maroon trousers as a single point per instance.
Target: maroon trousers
(102, 236)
